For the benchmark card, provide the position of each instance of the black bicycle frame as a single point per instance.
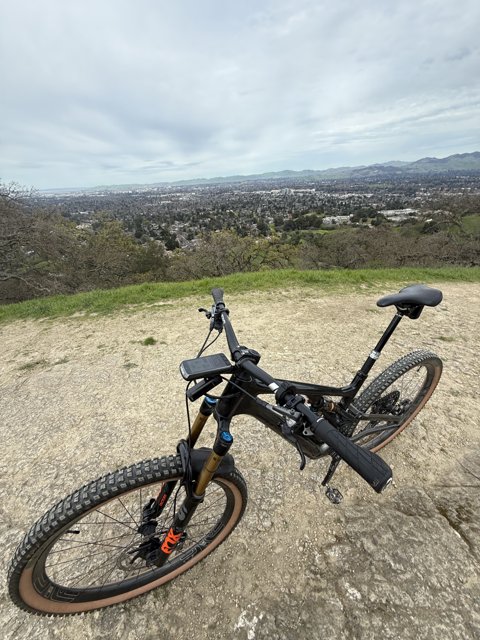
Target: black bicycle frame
(241, 396)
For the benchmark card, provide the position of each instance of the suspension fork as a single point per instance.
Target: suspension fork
(195, 495)
(206, 409)
(154, 509)
(194, 498)
(224, 411)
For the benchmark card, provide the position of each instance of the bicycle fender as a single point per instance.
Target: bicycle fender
(199, 456)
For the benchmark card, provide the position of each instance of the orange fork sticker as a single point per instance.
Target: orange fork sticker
(170, 541)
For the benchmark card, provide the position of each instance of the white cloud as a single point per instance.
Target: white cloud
(97, 93)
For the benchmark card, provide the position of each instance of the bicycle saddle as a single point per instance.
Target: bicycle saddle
(414, 295)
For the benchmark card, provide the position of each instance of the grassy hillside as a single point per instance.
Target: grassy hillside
(106, 301)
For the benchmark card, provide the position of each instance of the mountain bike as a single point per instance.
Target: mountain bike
(139, 527)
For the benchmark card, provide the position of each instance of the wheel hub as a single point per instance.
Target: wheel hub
(389, 404)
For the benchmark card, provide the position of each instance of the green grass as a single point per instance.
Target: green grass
(106, 301)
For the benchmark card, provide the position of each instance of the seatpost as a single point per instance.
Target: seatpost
(388, 332)
(362, 374)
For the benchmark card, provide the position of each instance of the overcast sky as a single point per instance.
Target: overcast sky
(120, 91)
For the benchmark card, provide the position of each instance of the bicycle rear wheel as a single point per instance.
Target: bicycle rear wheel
(402, 390)
(84, 553)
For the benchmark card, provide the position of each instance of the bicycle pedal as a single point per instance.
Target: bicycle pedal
(333, 495)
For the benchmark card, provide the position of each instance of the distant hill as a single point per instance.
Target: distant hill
(460, 163)
(457, 162)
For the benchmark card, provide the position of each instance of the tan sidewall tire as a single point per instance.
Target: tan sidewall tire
(393, 373)
(32, 598)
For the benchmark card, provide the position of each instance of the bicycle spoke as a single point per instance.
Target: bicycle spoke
(99, 572)
(91, 555)
(115, 520)
(83, 542)
(132, 518)
(96, 544)
(97, 567)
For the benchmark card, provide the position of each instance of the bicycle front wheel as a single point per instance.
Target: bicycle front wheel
(401, 390)
(85, 552)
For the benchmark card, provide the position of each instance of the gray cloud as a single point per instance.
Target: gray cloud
(97, 93)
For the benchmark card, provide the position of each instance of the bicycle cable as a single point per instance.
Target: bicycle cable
(238, 387)
(206, 346)
(187, 481)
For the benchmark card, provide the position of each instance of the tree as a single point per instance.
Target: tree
(109, 257)
(151, 263)
(32, 242)
(13, 236)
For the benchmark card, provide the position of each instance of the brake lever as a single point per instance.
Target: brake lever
(215, 317)
(206, 312)
(215, 323)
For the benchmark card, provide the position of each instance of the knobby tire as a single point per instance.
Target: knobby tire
(78, 556)
(402, 389)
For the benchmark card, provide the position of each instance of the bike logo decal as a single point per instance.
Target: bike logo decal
(163, 500)
(170, 541)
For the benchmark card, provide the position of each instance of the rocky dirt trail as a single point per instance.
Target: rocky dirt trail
(83, 396)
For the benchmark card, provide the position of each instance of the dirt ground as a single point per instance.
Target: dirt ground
(83, 396)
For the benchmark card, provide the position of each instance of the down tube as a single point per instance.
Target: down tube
(271, 419)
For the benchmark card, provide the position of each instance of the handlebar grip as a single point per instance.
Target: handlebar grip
(217, 294)
(371, 467)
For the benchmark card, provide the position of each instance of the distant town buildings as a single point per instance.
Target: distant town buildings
(398, 215)
(178, 215)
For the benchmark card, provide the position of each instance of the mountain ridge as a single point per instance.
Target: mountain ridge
(459, 162)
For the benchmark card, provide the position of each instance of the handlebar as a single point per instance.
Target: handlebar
(366, 463)
(220, 319)
(217, 294)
